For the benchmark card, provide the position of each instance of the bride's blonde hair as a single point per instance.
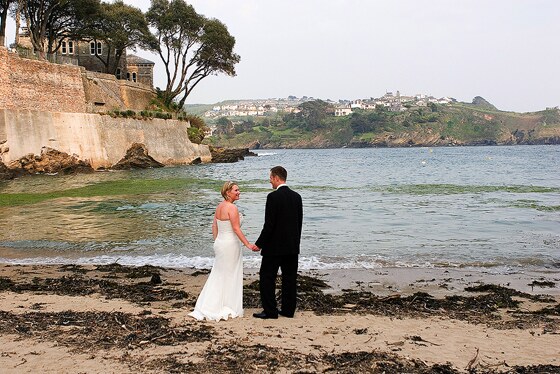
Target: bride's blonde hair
(226, 188)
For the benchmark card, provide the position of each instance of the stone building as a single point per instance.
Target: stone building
(139, 70)
(92, 54)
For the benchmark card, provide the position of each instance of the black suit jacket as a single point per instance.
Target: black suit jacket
(283, 218)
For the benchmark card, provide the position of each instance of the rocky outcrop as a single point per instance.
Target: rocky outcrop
(137, 157)
(50, 161)
(5, 173)
(225, 155)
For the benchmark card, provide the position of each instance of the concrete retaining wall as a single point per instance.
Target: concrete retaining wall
(99, 139)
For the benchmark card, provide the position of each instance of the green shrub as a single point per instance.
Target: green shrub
(195, 135)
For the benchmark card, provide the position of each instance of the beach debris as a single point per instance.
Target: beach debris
(94, 332)
(200, 272)
(473, 361)
(542, 283)
(141, 292)
(361, 331)
(83, 331)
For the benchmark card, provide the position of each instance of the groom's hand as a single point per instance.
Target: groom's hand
(255, 248)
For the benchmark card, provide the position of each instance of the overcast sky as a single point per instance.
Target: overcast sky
(507, 51)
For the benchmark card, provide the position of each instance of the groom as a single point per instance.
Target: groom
(279, 243)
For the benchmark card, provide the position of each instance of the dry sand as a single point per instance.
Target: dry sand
(73, 319)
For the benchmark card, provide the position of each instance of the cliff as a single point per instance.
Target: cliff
(54, 106)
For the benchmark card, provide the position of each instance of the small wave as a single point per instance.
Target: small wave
(266, 153)
(254, 262)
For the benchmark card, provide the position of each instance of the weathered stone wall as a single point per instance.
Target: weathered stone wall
(40, 85)
(104, 92)
(99, 139)
(135, 96)
(50, 105)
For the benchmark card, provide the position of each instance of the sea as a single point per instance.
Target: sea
(495, 208)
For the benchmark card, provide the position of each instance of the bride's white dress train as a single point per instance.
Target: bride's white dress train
(222, 295)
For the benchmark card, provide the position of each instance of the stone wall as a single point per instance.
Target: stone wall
(40, 85)
(51, 105)
(99, 139)
(104, 92)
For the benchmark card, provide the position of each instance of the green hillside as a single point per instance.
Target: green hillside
(477, 123)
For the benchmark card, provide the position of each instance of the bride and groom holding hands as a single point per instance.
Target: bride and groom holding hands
(278, 242)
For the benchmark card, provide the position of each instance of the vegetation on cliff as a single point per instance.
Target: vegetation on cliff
(315, 126)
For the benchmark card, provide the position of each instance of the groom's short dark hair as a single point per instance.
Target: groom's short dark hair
(280, 172)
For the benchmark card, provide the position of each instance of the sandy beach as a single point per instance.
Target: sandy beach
(116, 319)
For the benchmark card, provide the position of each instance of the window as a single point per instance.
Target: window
(93, 50)
(127, 76)
(70, 47)
(118, 74)
(63, 48)
(134, 77)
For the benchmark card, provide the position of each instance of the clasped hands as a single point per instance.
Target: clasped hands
(253, 247)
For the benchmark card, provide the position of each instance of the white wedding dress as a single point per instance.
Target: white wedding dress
(222, 295)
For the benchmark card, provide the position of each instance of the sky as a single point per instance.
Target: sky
(507, 51)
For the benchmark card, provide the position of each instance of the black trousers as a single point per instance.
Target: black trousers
(267, 278)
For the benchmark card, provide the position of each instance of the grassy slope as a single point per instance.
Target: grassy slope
(464, 123)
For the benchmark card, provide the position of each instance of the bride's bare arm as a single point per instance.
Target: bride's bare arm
(214, 228)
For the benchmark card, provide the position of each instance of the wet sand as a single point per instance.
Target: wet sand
(115, 319)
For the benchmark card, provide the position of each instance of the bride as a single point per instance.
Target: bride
(222, 295)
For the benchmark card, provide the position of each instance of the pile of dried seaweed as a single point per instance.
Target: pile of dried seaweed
(89, 331)
(95, 330)
(79, 285)
(264, 359)
(483, 307)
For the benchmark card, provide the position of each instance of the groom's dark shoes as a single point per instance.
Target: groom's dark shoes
(284, 314)
(263, 315)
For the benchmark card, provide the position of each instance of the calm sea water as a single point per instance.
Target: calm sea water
(471, 207)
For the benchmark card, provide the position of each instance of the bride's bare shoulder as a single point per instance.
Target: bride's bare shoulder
(225, 209)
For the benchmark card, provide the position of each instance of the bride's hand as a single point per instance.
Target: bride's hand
(252, 247)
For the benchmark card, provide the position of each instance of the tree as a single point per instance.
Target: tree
(4, 8)
(191, 47)
(314, 113)
(50, 21)
(119, 27)
(362, 122)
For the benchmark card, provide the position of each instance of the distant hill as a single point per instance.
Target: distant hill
(200, 109)
(455, 124)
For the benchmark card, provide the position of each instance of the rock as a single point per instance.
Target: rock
(156, 279)
(224, 155)
(5, 173)
(51, 161)
(136, 158)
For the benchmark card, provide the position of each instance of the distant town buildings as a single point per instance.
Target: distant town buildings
(392, 102)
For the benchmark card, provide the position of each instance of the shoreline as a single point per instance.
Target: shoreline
(113, 318)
